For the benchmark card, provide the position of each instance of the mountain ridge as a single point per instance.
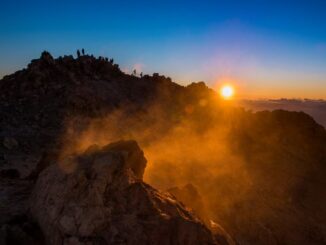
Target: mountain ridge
(271, 162)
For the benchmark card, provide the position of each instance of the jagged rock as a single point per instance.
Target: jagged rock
(47, 57)
(284, 152)
(190, 196)
(100, 198)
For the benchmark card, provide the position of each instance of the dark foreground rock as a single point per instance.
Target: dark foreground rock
(100, 198)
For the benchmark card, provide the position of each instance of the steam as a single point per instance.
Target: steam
(178, 152)
(202, 144)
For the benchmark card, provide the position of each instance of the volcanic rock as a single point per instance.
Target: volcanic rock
(190, 196)
(278, 197)
(99, 198)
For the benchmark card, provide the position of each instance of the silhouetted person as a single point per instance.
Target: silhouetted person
(134, 72)
(141, 74)
(83, 51)
(78, 53)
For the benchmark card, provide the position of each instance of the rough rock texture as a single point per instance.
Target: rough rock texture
(190, 196)
(278, 198)
(100, 198)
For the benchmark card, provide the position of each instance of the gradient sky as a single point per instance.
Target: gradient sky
(268, 49)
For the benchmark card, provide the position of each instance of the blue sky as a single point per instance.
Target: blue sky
(267, 49)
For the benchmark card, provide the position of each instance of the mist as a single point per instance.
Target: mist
(227, 153)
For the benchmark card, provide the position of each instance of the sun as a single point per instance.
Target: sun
(227, 91)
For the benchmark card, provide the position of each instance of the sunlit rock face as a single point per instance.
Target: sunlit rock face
(99, 198)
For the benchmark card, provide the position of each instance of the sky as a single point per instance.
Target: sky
(266, 49)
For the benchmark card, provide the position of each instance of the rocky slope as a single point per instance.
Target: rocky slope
(97, 197)
(259, 175)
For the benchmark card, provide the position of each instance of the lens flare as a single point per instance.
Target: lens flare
(227, 91)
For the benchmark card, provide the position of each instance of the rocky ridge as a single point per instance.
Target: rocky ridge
(283, 153)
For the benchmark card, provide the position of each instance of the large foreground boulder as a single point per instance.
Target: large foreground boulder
(99, 198)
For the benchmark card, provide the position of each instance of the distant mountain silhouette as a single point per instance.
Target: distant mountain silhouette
(315, 108)
(261, 176)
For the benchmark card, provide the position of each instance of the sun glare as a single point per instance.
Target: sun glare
(227, 91)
